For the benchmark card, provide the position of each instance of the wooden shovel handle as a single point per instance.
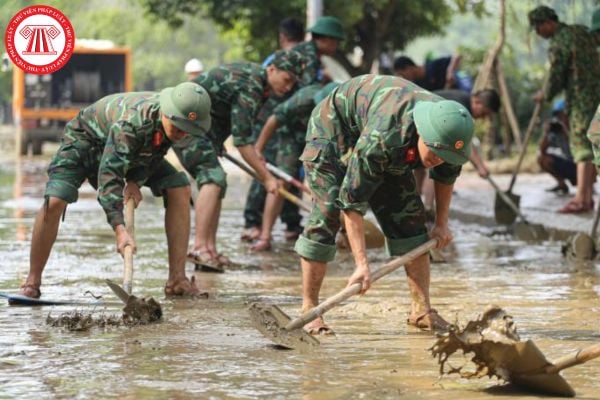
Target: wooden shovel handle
(288, 178)
(582, 356)
(532, 123)
(351, 290)
(128, 251)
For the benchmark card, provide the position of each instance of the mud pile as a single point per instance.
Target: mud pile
(137, 311)
(491, 339)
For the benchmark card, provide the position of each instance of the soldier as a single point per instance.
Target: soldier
(362, 143)
(574, 68)
(291, 32)
(327, 33)
(118, 144)
(237, 92)
(290, 120)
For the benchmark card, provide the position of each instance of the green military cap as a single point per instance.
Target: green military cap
(324, 92)
(596, 20)
(446, 127)
(290, 61)
(541, 14)
(187, 105)
(329, 26)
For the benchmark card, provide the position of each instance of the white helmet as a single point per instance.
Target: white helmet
(193, 65)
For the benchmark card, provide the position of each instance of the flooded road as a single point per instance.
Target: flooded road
(208, 349)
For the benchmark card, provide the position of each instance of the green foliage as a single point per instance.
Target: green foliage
(372, 25)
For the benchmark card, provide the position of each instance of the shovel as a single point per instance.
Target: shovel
(583, 246)
(127, 252)
(288, 178)
(138, 310)
(535, 231)
(532, 371)
(277, 326)
(503, 212)
(524, 229)
(373, 236)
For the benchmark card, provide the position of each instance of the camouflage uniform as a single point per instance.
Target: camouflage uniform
(361, 148)
(255, 200)
(292, 120)
(237, 92)
(313, 68)
(575, 68)
(593, 135)
(118, 138)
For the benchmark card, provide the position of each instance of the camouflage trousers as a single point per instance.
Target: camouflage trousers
(593, 134)
(201, 160)
(396, 205)
(78, 159)
(255, 200)
(580, 116)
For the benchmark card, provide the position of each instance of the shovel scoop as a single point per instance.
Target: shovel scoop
(498, 351)
(277, 326)
(273, 323)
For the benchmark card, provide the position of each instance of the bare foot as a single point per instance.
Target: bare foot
(262, 244)
(250, 234)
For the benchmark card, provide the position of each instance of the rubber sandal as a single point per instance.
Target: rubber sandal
(575, 207)
(204, 261)
(261, 245)
(184, 288)
(36, 289)
(222, 260)
(429, 321)
(318, 327)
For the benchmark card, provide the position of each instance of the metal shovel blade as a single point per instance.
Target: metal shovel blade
(271, 321)
(531, 232)
(118, 290)
(502, 212)
(528, 371)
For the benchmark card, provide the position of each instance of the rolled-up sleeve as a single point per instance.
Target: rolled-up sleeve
(445, 173)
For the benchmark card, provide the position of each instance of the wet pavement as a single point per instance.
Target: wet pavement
(208, 349)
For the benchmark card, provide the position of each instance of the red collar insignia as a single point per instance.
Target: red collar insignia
(411, 155)
(157, 139)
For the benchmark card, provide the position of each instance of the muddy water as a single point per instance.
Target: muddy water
(207, 348)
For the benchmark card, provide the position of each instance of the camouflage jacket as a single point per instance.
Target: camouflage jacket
(128, 141)
(574, 65)
(377, 135)
(313, 68)
(237, 92)
(293, 114)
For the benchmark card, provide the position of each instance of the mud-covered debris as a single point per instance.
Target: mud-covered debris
(77, 321)
(137, 311)
(141, 311)
(490, 339)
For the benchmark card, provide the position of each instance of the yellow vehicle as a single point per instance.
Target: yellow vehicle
(43, 104)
